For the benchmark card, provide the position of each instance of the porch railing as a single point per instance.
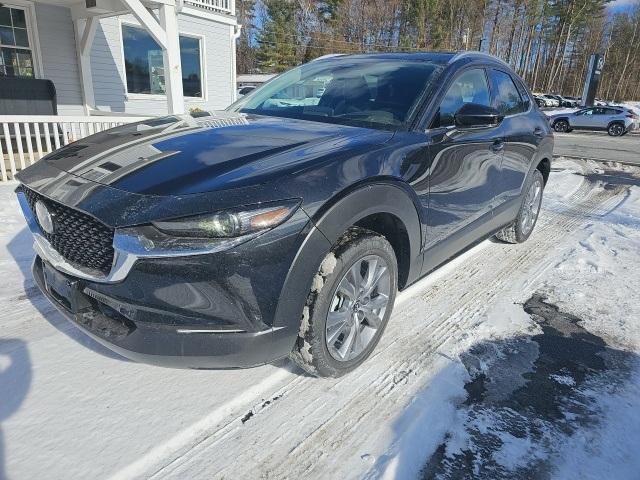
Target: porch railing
(224, 6)
(25, 139)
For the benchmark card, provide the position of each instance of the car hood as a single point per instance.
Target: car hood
(181, 155)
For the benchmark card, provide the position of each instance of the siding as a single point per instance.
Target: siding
(107, 67)
(60, 63)
(59, 58)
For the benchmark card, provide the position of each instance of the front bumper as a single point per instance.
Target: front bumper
(154, 343)
(193, 309)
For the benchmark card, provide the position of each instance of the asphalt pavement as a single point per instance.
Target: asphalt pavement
(598, 146)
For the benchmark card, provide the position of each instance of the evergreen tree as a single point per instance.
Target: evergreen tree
(245, 51)
(277, 37)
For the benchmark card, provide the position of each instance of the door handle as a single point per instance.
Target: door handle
(497, 146)
(538, 132)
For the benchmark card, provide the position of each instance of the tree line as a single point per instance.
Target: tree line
(547, 42)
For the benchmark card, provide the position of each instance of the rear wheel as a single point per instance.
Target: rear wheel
(561, 126)
(616, 129)
(349, 305)
(521, 229)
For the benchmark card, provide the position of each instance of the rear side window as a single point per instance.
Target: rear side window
(469, 87)
(524, 94)
(507, 99)
(612, 111)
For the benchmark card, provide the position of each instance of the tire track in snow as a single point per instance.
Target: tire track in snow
(312, 427)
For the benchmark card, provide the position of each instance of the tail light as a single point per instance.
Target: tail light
(633, 116)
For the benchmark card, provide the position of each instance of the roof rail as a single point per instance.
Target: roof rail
(329, 55)
(476, 54)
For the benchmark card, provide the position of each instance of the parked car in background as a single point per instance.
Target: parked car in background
(285, 225)
(568, 102)
(546, 102)
(553, 101)
(616, 121)
(559, 98)
(572, 102)
(540, 101)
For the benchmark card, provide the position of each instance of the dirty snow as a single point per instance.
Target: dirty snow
(464, 381)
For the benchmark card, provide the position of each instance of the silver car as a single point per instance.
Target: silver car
(615, 121)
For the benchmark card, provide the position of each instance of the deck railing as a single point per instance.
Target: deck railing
(224, 6)
(25, 139)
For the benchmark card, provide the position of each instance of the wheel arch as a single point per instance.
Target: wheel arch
(386, 207)
(556, 120)
(544, 165)
(383, 206)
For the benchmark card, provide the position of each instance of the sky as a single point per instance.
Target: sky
(619, 5)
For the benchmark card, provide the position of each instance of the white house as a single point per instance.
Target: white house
(110, 61)
(124, 56)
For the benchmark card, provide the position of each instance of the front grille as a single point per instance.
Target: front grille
(78, 237)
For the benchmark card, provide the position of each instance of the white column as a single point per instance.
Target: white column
(235, 31)
(85, 32)
(171, 56)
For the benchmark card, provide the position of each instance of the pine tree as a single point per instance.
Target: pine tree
(277, 37)
(245, 52)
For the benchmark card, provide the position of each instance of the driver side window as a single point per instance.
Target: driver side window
(470, 87)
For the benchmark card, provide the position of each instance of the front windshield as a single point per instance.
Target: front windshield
(369, 92)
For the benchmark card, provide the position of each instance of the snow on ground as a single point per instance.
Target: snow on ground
(508, 361)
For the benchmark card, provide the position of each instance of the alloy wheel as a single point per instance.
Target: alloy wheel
(616, 130)
(561, 126)
(358, 307)
(531, 207)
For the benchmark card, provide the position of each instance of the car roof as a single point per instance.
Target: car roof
(444, 59)
(435, 57)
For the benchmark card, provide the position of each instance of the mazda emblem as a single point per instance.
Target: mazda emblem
(44, 217)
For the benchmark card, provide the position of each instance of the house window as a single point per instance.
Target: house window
(16, 58)
(144, 67)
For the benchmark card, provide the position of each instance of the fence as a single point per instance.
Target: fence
(25, 139)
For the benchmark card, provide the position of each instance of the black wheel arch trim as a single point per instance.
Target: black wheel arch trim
(329, 224)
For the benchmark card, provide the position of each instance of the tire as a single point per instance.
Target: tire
(524, 223)
(322, 337)
(616, 129)
(561, 126)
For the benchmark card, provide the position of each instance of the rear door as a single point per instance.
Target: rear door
(612, 114)
(520, 133)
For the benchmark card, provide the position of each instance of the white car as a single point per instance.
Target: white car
(553, 102)
(616, 121)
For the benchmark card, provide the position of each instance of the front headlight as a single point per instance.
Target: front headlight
(230, 223)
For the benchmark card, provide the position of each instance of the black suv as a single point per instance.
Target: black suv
(285, 225)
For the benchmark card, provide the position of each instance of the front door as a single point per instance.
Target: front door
(584, 118)
(465, 164)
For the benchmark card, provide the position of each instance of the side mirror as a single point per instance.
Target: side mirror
(474, 115)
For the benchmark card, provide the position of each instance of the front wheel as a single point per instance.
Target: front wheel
(616, 129)
(561, 126)
(521, 229)
(349, 305)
